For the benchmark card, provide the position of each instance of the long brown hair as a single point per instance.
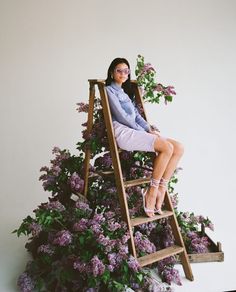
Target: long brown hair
(127, 86)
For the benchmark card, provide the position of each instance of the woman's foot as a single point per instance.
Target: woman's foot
(149, 200)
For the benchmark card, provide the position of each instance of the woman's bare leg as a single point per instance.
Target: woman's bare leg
(165, 150)
(178, 151)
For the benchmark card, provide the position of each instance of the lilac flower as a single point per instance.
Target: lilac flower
(63, 238)
(76, 183)
(174, 200)
(35, 228)
(198, 244)
(112, 226)
(143, 244)
(45, 248)
(171, 275)
(49, 180)
(125, 238)
(210, 226)
(169, 90)
(103, 240)
(25, 283)
(98, 267)
(96, 227)
(55, 205)
(82, 205)
(82, 107)
(109, 214)
(44, 168)
(112, 259)
(81, 225)
(133, 264)
(104, 161)
(158, 88)
(56, 170)
(81, 266)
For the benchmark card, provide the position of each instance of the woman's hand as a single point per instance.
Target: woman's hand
(155, 132)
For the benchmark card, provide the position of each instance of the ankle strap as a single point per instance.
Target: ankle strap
(164, 183)
(155, 182)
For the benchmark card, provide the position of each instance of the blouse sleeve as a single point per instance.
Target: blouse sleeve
(119, 113)
(141, 121)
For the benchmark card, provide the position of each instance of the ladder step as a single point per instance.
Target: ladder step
(160, 255)
(141, 220)
(101, 173)
(136, 182)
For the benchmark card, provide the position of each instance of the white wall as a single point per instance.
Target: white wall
(48, 51)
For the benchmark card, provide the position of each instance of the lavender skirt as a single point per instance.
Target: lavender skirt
(133, 140)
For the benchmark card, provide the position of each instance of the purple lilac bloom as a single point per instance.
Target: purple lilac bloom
(63, 238)
(169, 90)
(171, 275)
(143, 244)
(147, 68)
(49, 180)
(169, 261)
(98, 267)
(109, 214)
(76, 182)
(174, 200)
(198, 244)
(45, 248)
(44, 168)
(56, 150)
(81, 225)
(96, 227)
(113, 226)
(103, 240)
(56, 170)
(81, 266)
(55, 205)
(35, 228)
(82, 205)
(159, 87)
(25, 283)
(112, 259)
(82, 107)
(98, 218)
(133, 264)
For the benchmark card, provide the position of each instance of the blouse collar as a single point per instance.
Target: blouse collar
(116, 86)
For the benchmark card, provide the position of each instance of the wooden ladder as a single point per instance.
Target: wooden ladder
(121, 185)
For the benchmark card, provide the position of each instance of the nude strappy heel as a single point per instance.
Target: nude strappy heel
(153, 183)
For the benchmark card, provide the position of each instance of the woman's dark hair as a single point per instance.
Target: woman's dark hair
(127, 86)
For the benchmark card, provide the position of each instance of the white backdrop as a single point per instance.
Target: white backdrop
(48, 51)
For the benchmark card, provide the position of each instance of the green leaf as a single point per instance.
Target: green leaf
(168, 98)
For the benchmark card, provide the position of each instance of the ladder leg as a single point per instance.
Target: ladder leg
(89, 129)
(179, 240)
(117, 167)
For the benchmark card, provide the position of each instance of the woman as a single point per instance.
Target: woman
(132, 133)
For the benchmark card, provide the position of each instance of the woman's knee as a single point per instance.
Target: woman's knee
(162, 145)
(178, 149)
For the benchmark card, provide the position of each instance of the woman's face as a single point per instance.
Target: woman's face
(121, 73)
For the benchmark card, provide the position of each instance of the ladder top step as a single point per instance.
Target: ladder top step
(141, 220)
(160, 255)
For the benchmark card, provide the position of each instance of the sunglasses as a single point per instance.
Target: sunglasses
(120, 71)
